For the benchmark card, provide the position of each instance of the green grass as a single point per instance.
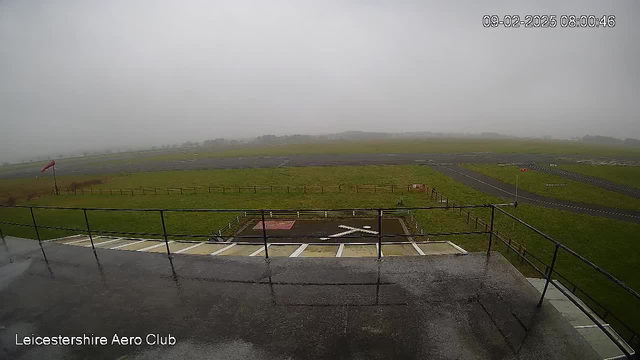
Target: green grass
(379, 175)
(409, 146)
(42, 185)
(625, 175)
(534, 181)
(609, 243)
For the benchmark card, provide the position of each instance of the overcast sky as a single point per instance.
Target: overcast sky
(95, 73)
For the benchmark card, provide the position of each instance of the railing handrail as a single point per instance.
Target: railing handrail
(574, 253)
(243, 210)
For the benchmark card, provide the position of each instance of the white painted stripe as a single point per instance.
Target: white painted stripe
(223, 249)
(299, 250)
(343, 233)
(381, 253)
(104, 242)
(589, 326)
(259, 250)
(415, 246)
(357, 229)
(619, 357)
(121, 246)
(188, 248)
(77, 241)
(154, 246)
(340, 250)
(64, 238)
(463, 251)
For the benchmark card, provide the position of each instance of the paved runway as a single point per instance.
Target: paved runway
(495, 187)
(138, 165)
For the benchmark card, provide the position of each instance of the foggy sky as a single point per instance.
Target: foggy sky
(86, 74)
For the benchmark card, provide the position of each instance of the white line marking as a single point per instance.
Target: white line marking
(415, 246)
(357, 229)
(340, 250)
(77, 241)
(463, 251)
(133, 243)
(589, 326)
(223, 249)
(153, 246)
(378, 249)
(64, 238)
(188, 248)
(104, 242)
(259, 251)
(299, 250)
(343, 233)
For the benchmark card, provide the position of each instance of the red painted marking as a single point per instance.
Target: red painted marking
(275, 225)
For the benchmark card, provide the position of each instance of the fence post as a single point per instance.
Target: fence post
(164, 232)
(264, 236)
(35, 226)
(181, 191)
(392, 188)
(340, 188)
(546, 284)
(287, 189)
(86, 220)
(493, 212)
(379, 233)
(357, 188)
(1, 234)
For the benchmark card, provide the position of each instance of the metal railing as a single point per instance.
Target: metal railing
(548, 271)
(378, 213)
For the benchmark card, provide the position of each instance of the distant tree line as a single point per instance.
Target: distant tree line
(608, 140)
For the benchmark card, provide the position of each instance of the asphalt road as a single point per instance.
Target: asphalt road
(137, 165)
(494, 187)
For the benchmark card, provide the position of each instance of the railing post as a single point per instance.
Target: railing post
(35, 226)
(86, 220)
(493, 213)
(1, 234)
(379, 233)
(546, 284)
(264, 235)
(164, 232)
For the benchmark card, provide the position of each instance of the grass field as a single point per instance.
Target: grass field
(534, 181)
(408, 146)
(609, 243)
(27, 188)
(625, 175)
(556, 147)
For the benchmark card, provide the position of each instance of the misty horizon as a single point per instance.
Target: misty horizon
(94, 75)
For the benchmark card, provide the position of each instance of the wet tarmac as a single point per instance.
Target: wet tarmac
(438, 307)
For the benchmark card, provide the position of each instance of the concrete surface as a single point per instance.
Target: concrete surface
(422, 307)
(495, 187)
(600, 342)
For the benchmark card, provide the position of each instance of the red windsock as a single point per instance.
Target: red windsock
(50, 164)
